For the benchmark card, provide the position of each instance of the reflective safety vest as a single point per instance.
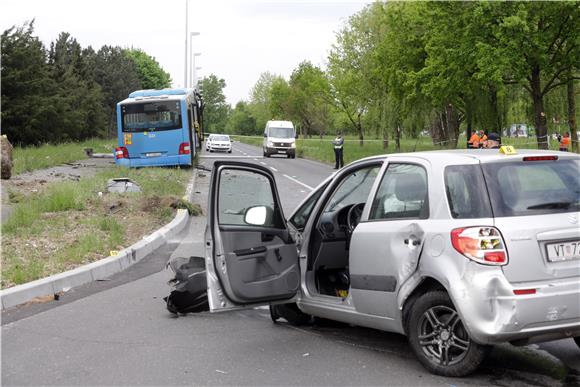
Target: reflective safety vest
(474, 140)
(338, 142)
(565, 143)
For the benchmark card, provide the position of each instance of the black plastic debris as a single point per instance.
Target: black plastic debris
(189, 283)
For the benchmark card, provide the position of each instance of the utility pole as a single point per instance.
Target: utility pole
(186, 36)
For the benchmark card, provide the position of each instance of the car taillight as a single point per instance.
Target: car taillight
(540, 158)
(184, 148)
(121, 152)
(481, 244)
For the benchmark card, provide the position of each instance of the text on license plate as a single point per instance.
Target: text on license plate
(280, 151)
(154, 154)
(563, 251)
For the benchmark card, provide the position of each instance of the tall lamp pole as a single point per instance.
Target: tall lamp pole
(186, 36)
(195, 76)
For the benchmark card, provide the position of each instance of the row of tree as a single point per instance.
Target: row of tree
(400, 68)
(66, 92)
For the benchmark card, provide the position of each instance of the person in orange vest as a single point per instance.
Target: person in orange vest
(565, 142)
(473, 142)
(482, 138)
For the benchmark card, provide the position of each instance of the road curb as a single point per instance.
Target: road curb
(103, 268)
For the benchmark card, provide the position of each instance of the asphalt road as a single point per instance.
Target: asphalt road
(118, 332)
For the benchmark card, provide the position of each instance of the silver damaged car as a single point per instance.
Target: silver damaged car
(457, 250)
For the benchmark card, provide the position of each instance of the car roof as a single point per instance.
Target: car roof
(469, 156)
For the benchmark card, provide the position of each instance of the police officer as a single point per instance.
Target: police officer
(338, 143)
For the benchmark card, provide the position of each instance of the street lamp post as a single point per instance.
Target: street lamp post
(195, 80)
(186, 36)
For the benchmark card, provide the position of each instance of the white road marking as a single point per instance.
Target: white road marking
(255, 159)
(274, 169)
(298, 182)
(263, 163)
(230, 156)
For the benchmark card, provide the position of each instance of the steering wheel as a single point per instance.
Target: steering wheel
(353, 216)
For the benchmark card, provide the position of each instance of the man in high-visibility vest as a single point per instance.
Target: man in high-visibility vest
(473, 142)
(338, 143)
(482, 138)
(565, 142)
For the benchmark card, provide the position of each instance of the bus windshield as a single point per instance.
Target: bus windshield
(148, 116)
(281, 132)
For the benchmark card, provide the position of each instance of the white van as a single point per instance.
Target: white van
(279, 138)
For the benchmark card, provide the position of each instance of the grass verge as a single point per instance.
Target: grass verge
(72, 223)
(45, 156)
(321, 149)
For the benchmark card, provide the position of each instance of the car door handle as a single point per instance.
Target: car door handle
(250, 251)
(414, 242)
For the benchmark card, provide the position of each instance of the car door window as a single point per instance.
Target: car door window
(353, 189)
(241, 190)
(301, 216)
(402, 194)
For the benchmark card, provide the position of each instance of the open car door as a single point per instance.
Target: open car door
(250, 256)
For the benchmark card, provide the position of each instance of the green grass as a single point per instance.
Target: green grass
(322, 149)
(68, 223)
(46, 156)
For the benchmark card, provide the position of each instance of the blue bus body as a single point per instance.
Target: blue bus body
(159, 128)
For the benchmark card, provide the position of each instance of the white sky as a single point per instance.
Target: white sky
(239, 39)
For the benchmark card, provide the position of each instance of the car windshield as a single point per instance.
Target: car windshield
(142, 117)
(281, 132)
(220, 138)
(533, 187)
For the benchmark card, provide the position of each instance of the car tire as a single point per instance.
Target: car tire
(288, 156)
(446, 348)
(289, 312)
(229, 151)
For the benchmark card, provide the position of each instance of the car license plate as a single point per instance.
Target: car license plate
(154, 154)
(563, 251)
(281, 151)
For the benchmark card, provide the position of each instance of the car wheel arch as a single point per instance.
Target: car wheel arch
(427, 284)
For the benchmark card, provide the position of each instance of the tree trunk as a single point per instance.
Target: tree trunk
(398, 138)
(496, 118)
(360, 130)
(452, 131)
(572, 115)
(469, 118)
(539, 114)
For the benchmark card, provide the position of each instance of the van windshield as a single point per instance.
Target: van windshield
(533, 187)
(281, 132)
(143, 117)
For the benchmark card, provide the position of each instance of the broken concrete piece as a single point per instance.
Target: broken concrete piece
(122, 185)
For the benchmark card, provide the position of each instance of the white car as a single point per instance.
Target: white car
(219, 143)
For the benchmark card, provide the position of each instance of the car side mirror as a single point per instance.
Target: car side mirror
(256, 215)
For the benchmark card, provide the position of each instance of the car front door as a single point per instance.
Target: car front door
(387, 243)
(251, 258)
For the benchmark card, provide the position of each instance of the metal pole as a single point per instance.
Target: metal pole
(192, 70)
(186, 36)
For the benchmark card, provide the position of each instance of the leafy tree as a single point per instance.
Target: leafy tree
(117, 74)
(241, 121)
(532, 44)
(151, 75)
(78, 101)
(260, 98)
(216, 109)
(26, 87)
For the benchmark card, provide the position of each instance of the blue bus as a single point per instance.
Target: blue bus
(159, 128)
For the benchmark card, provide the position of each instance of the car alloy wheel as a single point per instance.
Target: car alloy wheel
(439, 338)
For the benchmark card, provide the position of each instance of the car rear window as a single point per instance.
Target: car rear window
(466, 192)
(533, 187)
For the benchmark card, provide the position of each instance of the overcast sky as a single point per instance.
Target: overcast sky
(238, 39)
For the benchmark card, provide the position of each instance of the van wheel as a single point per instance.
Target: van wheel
(290, 313)
(439, 339)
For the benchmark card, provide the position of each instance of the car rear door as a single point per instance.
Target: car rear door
(386, 245)
(251, 258)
